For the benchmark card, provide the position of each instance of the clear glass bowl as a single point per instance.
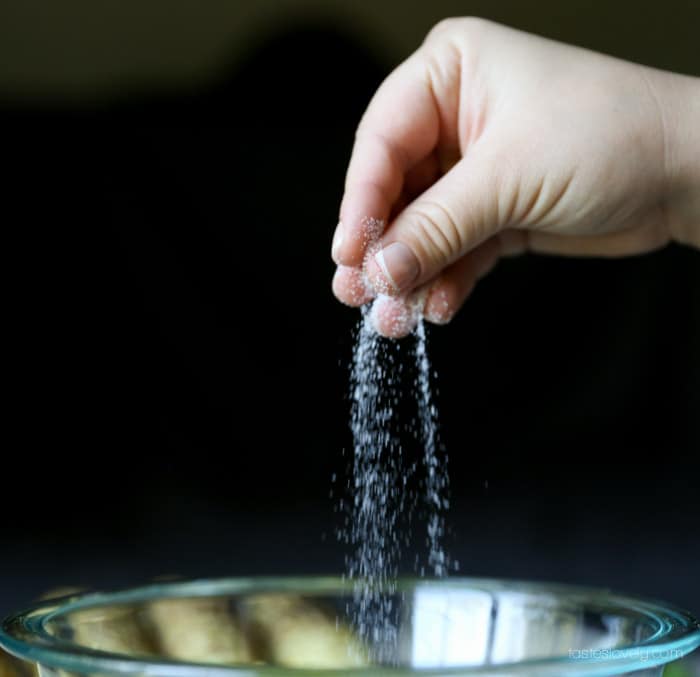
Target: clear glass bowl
(287, 627)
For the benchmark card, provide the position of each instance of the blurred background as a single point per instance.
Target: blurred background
(177, 368)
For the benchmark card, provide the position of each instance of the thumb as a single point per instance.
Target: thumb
(451, 218)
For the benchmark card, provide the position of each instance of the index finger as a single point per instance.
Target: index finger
(399, 128)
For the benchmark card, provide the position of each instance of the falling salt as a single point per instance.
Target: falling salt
(436, 478)
(385, 486)
(377, 499)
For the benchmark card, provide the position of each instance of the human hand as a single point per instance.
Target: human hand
(490, 142)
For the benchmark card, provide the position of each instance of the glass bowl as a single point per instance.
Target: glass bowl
(287, 627)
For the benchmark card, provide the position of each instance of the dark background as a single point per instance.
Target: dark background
(177, 366)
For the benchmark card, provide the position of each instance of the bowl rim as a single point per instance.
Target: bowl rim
(24, 634)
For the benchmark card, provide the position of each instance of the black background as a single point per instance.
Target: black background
(177, 366)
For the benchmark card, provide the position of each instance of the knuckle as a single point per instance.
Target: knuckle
(442, 28)
(438, 232)
(452, 26)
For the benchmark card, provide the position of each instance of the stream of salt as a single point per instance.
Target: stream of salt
(386, 485)
(436, 477)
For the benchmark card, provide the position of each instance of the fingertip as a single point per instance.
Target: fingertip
(448, 294)
(354, 238)
(437, 307)
(394, 317)
(350, 288)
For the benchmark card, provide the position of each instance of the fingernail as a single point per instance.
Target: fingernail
(397, 268)
(337, 241)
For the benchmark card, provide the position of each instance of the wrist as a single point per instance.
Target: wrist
(681, 111)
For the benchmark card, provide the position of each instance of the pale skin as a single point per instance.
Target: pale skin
(489, 142)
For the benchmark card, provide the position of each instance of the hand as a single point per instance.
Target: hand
(489, 142)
